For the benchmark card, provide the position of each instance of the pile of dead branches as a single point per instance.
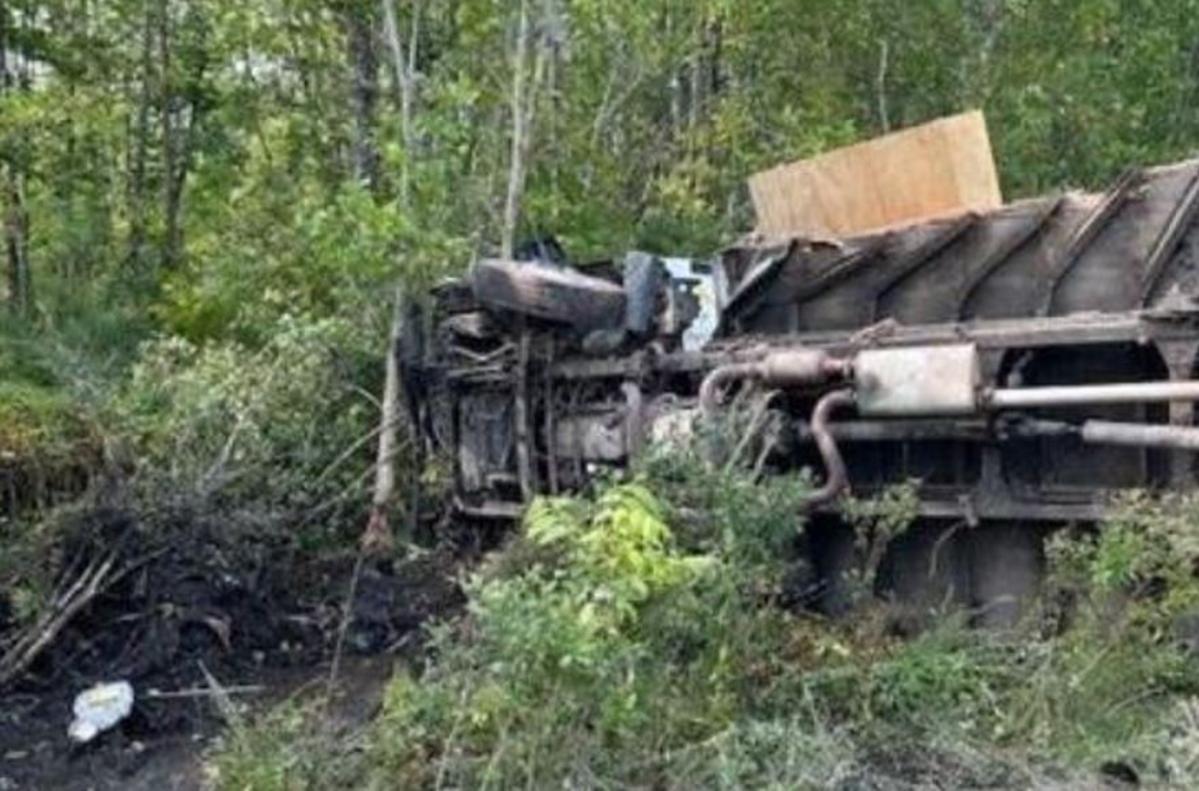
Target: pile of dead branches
(131, 590)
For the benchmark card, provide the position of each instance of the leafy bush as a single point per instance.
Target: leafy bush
(42, 427)
(276, 425)
(288, 748)
(726, 509)
(556, 650)
(633, 638)
(50, 438)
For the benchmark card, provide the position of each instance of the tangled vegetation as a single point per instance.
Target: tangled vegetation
(639, 637)
(229, 432)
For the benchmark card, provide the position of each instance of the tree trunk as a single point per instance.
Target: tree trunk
(170, 141)
(140, 144)
(880, 85)
(988, 19)
(364, 93)
(716, 57)
(5, 79)
(183, 107)
(676, 87)
(404, 68)
(16, 243)
(16, 216)
(526, 84)
(377, 539)
(696, 83)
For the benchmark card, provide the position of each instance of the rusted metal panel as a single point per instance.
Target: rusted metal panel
(1115, 251)
(548, 292)
(931, 380)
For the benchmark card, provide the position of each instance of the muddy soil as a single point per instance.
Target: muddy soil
(136, 756)
(209, 602)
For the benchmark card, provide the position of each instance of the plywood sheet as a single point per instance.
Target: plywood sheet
(934, 170)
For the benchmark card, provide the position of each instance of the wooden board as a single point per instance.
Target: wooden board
(938, 169)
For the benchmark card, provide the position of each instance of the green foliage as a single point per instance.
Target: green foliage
(654, 115)
(876, 522)
(556, 650)
(943, 671)
(561, 675)
(267, 425)
(50, 437)
(558, 672)
(40, 426)
(622, 552)
(1150, 539)
(1148, 551)
(886, 516)
(710, 503)
(284, 750)
(208, 274)
(620, 641)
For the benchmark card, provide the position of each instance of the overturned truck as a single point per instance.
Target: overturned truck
(1023, 365)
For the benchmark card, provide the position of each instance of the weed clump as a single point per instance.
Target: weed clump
(635, 638)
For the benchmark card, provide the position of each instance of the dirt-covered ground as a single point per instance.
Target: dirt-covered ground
(203, 619)
(142, 756)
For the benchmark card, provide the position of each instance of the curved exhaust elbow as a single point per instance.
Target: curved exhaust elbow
(782, 369)
(836, 476)
(720, 377)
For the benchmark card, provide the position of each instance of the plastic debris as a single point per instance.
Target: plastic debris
(99, 708)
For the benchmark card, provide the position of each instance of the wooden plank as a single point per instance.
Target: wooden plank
(939, 169)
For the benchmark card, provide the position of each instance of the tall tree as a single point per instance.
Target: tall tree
(185, 98)
(403, 61)
(14, 76)
(529, 59)
(139, 145)
(364, 92)
(16, 241)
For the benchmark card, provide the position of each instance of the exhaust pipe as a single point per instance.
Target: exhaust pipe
(792, 369)
(1091, 395)
(789, 369)
(836, 477)
(936, 382)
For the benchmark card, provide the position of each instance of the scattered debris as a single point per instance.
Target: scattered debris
(204, 692)
(100, 708)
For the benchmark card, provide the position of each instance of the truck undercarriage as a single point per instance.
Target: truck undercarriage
(1023, 366)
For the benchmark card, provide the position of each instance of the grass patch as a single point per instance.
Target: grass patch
(40, 425)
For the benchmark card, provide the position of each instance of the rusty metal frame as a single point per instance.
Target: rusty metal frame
(1172, 329)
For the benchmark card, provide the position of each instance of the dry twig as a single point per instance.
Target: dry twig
(30, 644)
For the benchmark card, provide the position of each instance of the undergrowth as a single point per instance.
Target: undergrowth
(635, 638)
(41, 428)
(46, 431)
(273, 441)
(276, 424)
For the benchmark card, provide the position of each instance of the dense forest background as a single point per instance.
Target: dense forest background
(207, 167)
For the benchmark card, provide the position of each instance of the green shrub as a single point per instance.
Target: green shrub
(275, 426)
(555, 651)
(42, 426)
(294, 746)
(632, 638)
